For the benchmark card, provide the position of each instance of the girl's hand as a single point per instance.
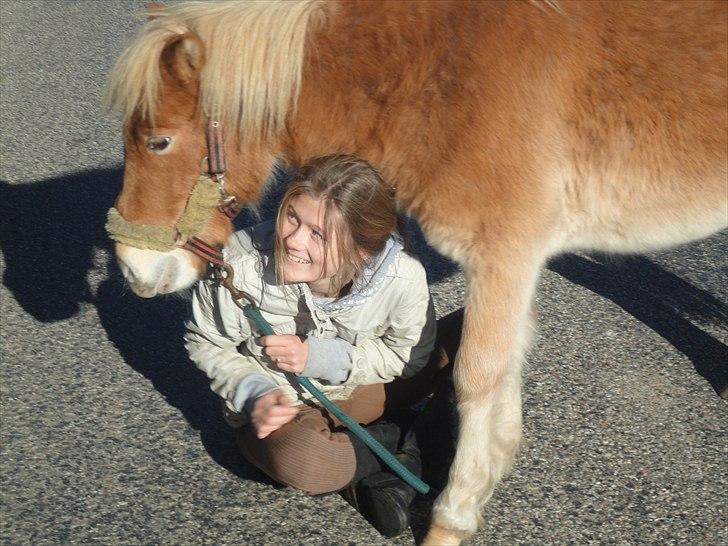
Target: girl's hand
(270, 412)
(288, 352)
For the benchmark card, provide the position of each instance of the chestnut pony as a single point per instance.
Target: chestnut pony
(512, 131)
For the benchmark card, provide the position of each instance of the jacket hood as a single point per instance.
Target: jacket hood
(369, 280)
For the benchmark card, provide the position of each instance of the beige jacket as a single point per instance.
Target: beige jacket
(382, 329)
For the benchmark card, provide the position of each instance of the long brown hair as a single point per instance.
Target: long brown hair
(358, 206)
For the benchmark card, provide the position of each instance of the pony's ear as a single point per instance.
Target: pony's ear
(183, 58)
(154, 10)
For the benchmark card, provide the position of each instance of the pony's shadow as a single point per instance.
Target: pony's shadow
(52, 234)
(49, 233)
(668, 304)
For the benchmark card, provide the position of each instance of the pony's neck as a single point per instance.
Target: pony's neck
(370, 79)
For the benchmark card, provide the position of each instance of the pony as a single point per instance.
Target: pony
(512, 131)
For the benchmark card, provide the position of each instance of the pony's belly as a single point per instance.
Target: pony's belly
(644, 218)
(616, 238)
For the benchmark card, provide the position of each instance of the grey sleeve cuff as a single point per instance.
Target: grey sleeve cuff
(251, 387)
(328, 359)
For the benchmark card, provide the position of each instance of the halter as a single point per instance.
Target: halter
(207, 195)
(228, 205)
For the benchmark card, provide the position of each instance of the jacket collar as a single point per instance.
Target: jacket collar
(368, 281)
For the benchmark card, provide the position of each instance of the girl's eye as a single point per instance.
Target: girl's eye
(291, 216)
(158, 144)
(316, 235)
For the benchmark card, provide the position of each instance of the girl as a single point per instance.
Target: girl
(351, 310)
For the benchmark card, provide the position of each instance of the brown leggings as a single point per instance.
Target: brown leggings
(307, 454)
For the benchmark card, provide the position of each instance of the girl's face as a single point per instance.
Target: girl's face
(303, 240)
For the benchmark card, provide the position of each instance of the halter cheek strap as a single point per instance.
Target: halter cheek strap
(216, 149)
(228, 205)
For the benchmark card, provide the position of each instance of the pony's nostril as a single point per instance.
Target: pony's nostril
(144, 290)
(126, 271)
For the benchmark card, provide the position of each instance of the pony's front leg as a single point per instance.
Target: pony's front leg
(487, 378)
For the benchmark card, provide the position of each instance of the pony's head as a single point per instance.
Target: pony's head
(192, 65)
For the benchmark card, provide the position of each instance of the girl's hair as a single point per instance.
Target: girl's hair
(359, 207)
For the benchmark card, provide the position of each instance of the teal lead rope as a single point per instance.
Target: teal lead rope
(254, 314)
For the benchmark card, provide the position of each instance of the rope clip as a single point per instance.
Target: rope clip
(225, 275)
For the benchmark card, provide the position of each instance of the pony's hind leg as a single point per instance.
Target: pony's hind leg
(487, 377)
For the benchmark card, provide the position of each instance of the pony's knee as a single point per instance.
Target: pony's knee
(476, 380)
(481, 383)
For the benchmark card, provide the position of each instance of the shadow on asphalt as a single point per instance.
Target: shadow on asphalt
(51, 229)
(48, 233)
(661, 300)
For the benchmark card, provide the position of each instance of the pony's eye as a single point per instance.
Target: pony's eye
(158, 144)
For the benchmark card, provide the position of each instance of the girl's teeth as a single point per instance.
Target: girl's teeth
(298, 260)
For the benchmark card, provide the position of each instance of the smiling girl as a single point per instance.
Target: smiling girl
(351, 310)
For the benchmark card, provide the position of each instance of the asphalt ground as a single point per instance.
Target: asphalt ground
(110, 435)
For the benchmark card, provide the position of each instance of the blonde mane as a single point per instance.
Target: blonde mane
(254, 56)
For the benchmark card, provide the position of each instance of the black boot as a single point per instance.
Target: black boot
(367, 463)
(383, 498)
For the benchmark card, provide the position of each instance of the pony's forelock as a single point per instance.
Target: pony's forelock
(254, 59)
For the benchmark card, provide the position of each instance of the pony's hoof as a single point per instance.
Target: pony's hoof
(440, 536)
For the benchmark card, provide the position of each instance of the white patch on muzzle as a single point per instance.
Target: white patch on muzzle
(151, 272)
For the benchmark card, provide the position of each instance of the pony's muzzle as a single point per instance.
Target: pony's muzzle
(151, 272)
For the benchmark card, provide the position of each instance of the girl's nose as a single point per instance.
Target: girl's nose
(295, 239)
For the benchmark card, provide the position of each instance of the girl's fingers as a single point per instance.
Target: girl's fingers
(271, 425)
(280, 340)
(281, 411)
(262, 432)
(295, 368)
(282, 400)
(278, 352)
(278, 421)
(274, 418)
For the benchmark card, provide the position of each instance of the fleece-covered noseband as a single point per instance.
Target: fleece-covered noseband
(200, 204)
